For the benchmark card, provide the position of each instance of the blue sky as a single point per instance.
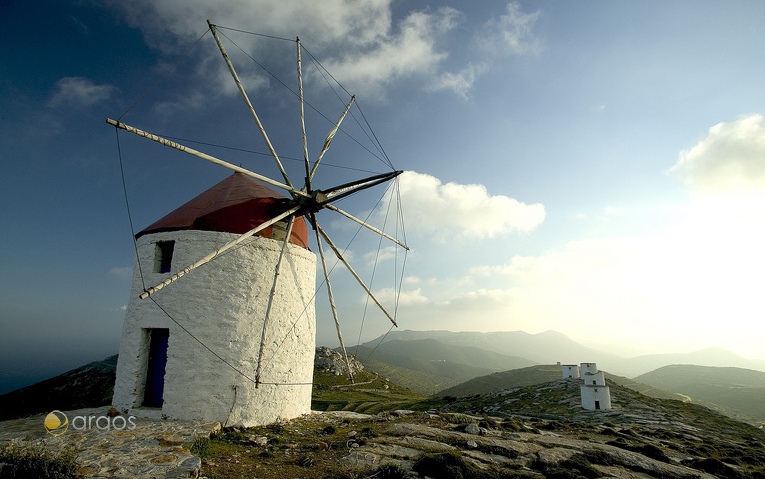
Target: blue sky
(593, 168)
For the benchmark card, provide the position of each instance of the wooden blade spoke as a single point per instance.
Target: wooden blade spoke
(366, 225)
(217, 252)
(271, 299)
(249, 104)
(331, 297)
(339, 255)
(331, 135)
(302, 120)
(205, 156)
(346, 189)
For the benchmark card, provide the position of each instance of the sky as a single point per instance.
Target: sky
(594, 168)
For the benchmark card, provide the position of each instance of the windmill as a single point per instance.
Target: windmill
(304, 201)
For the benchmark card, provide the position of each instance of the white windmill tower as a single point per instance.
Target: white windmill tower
(233, 341)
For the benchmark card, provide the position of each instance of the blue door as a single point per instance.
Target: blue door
(155, 374)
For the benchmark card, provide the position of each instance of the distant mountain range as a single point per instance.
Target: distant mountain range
(551, 347)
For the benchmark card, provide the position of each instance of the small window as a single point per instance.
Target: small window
(163, 256)
(593, 381)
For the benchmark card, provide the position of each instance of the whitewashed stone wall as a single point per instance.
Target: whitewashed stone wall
(591, 394)
(223, 303)
(570, 371)
(595, 394)
(588, 368)
(594, 379)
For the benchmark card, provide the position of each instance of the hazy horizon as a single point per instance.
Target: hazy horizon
(33, 366)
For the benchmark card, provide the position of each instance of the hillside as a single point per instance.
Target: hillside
(422, 383)
(435, 359)
(87, 386)
(735, 391)
(541, 374)
(504, 380)
(715, 357)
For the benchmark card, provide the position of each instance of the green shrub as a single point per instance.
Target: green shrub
(200, 446)
(35, 460)
(458, 418)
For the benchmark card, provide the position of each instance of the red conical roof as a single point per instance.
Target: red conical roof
(235, 205)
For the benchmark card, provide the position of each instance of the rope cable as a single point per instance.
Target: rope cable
(374, 271)
(321, 69)
(127, 206)
(295, 94)
(254, 34)
(244, 150)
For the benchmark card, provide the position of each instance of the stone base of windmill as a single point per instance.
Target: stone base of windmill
(212, 323)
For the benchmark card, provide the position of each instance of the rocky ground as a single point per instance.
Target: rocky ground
(538, 431)
(502, 435)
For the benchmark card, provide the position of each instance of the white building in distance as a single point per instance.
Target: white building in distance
(570, 371)
(595, 394)
(191, 349)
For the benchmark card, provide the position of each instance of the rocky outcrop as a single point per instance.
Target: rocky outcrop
(329, 360)
(433, 444)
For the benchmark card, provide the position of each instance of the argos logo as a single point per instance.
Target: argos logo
(56, 423)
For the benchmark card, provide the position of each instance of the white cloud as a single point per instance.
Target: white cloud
(356, 40)
(692, 284)
(455, 210)
(686, 288)
(730, 159)
(461, 82)
(384, 254)
(696, 283)
(359, 41)
(512, 33)
(388, 296)
(175, 22)
(412, 51)
(78, 91)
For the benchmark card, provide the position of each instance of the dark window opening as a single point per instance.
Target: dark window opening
(163, 256)
(597, 404)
